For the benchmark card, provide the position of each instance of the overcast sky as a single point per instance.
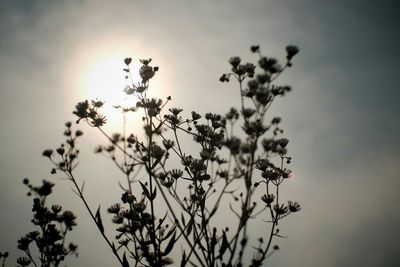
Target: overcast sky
(342, 117)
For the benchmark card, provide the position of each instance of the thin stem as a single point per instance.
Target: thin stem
(72, 178)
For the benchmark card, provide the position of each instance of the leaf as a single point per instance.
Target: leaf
(189, 227)
(99, 221)
(125, 262)
(161, 221)
(83, 186)
(169, 233)
(183, 261)
(170, 245)
(183, 218)
(145, 190)
(213, 211)
(153, 196)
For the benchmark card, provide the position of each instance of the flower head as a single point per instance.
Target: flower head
(293, 206)
(234, 61)
(268, 199)
(291, 51)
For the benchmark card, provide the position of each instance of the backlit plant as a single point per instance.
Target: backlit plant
(235, 168)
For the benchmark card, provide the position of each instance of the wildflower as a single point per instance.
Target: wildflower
(128, 60)
(275, 68)
(139, 206)
(97, 103)
(141, 89)
(187, 160)
(131, 139)
(98, 149)
(248, 112)
(283, 142)
(263, 97)
(114, 208)
(223, 174)
(127, 198)
(147, 218)
(60, 151)
(270, 175)
(233, 145)
(255, 128)
(23, 261)
(99, 120)
(287, 173)
(167, 182)
(45, 189)
(204, 177)
(293, 206)
(175, 111)
(23, 243)
(117, 219)
(267, 63)
(280, 210)
(234, 61)
(224, 78)
(81, 110)
(219, 160)
(78, 133)
(249, 68)
(146, 72)
(47, 153)
(255, 48)
(262, 164)
(145, 61)
(240, 70)
(168, 144)
(195, 116)
(206, 154)
(68, 218)
(56, 209)
(291, 51)
(263, 78)
(197, 165)
(176, 173)
(72, 247)
(268, 199)
(33, 235)
(156, 151)
(253, 84)
(276, 120)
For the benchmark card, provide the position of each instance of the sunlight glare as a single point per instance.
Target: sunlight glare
(97, 74)
(104, 80)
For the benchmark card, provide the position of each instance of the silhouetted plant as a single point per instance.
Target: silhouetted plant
(50, 238)
(241, 172)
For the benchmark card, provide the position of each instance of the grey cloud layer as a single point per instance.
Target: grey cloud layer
(342, 117)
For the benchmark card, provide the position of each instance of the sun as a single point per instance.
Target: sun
(95, 72)
(103, 78)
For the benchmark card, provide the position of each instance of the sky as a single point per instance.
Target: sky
(341, 118)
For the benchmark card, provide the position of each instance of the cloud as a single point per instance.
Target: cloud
(342, 116)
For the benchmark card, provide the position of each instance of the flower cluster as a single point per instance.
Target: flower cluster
(89, 112)
(53, 226)
(241, 156)
(65, 156)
